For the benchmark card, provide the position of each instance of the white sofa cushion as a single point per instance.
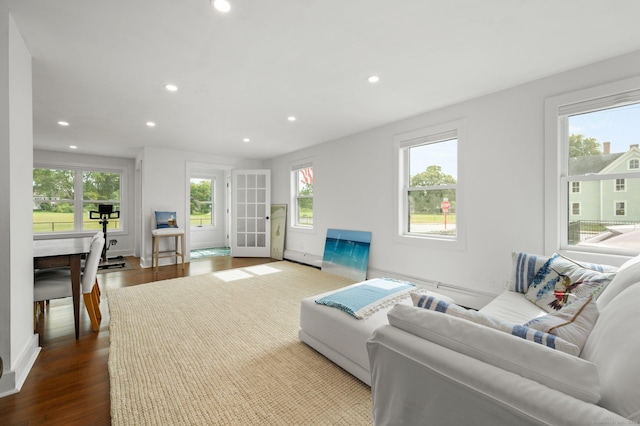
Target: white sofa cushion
(555, 369)
(542, 338)
(628, 274)
(572, 323)
(512, 306)
(614, 345)
(560, 281)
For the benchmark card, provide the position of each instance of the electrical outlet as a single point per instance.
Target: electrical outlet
(113, 242)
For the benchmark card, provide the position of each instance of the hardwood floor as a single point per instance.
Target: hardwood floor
(69, 383)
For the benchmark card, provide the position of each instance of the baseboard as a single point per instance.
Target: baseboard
(305, 258)
(13, 380)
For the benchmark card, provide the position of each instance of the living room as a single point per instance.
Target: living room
(508, 193)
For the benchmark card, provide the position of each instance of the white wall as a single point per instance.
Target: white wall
(126, 239)
(164, 187)
(354, 184)
(18, 344)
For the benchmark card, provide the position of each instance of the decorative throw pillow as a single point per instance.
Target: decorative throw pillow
(166, 220)
(572, 322)
(524, 267)
(561, 281)
(434, 304)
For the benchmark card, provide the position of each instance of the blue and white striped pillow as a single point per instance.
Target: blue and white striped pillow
(433, 303)
(524, 267)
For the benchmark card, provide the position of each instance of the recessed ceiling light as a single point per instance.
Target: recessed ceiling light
(246, 140)
(373, 79)
(171, 87)
(221, 5)
(291, 118)
(151, 124)
(73, 147)
(63, 123)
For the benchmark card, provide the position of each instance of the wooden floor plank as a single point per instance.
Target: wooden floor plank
(69, 383)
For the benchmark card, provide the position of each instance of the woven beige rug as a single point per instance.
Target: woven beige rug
(222, 348)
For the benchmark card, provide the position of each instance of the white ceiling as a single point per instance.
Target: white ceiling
(102, 65)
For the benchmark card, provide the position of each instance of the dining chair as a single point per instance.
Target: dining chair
(56, 284)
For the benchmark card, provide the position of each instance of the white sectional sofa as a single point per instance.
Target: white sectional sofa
(341, 337)
(429, 367)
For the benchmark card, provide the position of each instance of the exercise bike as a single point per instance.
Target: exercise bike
(103, 214)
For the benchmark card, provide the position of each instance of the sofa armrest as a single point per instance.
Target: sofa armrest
(555, 369)
(416, 381)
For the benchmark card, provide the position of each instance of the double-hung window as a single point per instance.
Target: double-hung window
(302, 195)
(202, 200)
(430, 185)
(64, 197)
(593, 138)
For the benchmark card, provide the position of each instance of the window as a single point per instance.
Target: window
(575, 187)
(593, 138)
(64, 198)
(575, 209)
(302, 191)
(202, 201)
(430, 184)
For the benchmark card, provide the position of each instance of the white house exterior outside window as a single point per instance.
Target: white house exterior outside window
(430, 185)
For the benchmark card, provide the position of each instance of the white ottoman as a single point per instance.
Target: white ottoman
(341, 337)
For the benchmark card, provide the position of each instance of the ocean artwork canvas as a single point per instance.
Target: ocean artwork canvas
(346, 253)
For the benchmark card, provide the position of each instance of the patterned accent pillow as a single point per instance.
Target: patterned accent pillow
(433, 303)
(572, 323)
(561, 281)
(166, 220)
(524, 267)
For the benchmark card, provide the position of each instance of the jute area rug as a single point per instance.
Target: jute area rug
(222, 348)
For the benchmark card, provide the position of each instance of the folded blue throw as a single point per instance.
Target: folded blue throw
(364, 299)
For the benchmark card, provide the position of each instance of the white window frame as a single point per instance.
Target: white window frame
(556, 162)
(79, 202)
(402, 142)
(620, 185)
(294, 169)
(634, 164)
(615, 208)
(214, 201)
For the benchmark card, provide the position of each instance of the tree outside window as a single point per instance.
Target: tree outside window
(63, 199)
(201, 202)
(303, 190)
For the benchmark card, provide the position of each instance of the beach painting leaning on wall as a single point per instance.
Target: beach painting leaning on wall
(346, 253)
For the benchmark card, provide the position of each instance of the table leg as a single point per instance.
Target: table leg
(76, 272)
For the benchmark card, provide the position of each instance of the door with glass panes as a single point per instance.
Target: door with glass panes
(251, 206)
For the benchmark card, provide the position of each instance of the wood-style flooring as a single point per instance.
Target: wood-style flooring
(69, 383)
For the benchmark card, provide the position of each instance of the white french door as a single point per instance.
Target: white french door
(251, 207)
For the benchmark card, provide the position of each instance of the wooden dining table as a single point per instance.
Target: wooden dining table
(62, 252)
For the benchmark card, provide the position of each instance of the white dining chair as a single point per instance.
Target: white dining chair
(56, 284)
